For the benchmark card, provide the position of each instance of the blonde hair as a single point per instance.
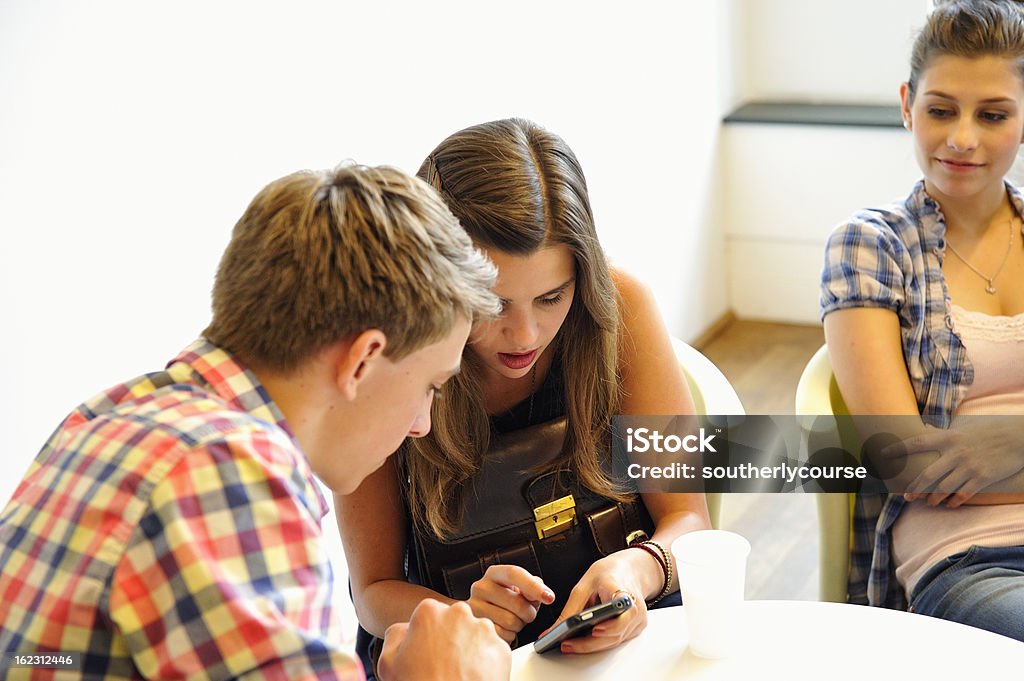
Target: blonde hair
(320, 256)
(517, 188)
(969, 28)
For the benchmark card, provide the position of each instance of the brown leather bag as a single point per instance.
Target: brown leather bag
(548, 524)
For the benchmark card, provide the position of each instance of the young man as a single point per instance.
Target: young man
(170, 527)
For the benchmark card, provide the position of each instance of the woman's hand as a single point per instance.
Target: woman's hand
(614, 575)
(508, 596)
(866, 349)
(971, 457)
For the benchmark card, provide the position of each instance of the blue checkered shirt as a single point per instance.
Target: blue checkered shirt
(891, 258)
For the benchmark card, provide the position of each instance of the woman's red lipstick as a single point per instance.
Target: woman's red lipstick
(517, 360)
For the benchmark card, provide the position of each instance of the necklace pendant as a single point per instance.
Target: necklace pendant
(991, 288)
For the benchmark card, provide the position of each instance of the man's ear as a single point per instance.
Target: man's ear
(359, 360)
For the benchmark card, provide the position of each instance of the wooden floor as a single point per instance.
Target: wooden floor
(763, 361)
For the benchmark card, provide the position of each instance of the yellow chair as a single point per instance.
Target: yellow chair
(818, 398)
(712, 393)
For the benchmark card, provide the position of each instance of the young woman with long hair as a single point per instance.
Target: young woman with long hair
(577, 339)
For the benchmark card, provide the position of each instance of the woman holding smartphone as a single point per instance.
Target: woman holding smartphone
(576, 339)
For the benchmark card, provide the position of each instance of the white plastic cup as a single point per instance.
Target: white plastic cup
(712, 567)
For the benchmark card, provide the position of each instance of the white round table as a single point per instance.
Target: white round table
(794, 640)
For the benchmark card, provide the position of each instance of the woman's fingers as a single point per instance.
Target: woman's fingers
(510, 597)
(609, 633)
(529, 585)
(502, 606)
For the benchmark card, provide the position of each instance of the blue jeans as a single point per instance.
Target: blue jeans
(982, 587)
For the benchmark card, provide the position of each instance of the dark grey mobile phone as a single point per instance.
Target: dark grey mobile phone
(582, 622)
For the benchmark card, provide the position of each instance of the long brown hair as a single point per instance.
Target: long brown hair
(517, 188)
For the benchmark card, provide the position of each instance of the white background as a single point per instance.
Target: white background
(133, 134)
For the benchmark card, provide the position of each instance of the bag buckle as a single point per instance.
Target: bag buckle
(635, 537)
(555, 517)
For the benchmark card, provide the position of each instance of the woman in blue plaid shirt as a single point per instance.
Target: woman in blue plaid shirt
(923, 307)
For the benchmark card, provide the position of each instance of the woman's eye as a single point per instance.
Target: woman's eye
(552, 300)
(939, 112)
(994, 116)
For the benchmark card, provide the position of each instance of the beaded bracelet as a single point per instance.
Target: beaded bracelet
(664, 560)
(667, 558)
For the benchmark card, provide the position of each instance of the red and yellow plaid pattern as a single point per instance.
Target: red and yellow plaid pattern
(171, 528)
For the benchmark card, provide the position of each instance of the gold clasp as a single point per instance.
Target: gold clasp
(635, 537)
(555, 517)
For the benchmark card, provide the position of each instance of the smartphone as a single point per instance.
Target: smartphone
(582, 622)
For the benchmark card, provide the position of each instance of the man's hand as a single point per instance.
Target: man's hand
(444, 643)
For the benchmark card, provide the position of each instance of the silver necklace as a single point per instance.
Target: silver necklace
(990, 289)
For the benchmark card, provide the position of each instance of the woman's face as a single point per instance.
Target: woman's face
(968, 122)
(536, 291)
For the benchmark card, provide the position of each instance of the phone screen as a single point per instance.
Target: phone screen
(582, 622)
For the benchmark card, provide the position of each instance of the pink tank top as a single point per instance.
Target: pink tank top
(924, 535)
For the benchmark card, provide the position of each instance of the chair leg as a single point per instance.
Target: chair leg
(834, 546)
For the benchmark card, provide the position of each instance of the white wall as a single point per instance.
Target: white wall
(788, 186)
(133, 134)
(791, 185)
(810, 50)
